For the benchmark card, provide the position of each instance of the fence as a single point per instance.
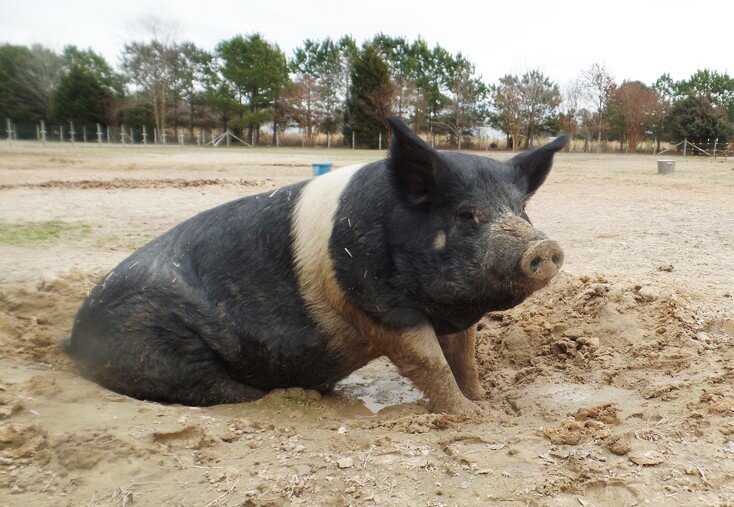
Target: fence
(705, 147)
(199, 136)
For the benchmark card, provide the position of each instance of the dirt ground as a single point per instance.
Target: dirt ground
(612, 386)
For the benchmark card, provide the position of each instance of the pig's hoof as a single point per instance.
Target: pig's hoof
(476, 393)
(460, 406)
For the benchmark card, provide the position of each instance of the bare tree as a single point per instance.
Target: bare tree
(599, 85)
(571, 117)
(508, 114)
(637, 106)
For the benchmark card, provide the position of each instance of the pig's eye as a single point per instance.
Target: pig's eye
(467, 216)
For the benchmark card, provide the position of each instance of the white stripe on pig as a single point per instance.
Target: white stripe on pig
(311, 227)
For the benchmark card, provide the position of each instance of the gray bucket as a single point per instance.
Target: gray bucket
(666, 166)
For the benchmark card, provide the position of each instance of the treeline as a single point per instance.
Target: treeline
(339, 89)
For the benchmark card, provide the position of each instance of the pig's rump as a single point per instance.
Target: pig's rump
(207, 313)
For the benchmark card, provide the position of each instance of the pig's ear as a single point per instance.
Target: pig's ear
(416, 167)
(530, 168)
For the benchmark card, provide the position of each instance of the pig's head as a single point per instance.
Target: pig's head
(466, 243)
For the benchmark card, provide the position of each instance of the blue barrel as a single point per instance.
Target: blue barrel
(320, 168)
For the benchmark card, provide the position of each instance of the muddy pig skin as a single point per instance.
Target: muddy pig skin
(300, 286)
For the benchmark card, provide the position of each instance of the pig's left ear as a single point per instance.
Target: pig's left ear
(416, 167)
(532, 167)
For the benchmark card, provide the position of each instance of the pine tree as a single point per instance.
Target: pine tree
(370, 98)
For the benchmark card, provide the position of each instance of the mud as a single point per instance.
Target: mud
(603, 389)
(135, 183)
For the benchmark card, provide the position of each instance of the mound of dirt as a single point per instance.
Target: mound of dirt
(600, 388)
(591, 329)
(33, 321)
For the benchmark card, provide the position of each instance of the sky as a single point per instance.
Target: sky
(637, 40)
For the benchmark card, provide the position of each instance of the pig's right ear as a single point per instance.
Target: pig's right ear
(416, 167)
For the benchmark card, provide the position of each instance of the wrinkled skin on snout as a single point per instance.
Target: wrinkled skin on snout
(471, 244)
(301, 286)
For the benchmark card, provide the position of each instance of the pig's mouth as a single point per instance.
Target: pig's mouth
(532, 270)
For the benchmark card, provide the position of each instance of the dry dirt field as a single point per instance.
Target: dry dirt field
(612, 386)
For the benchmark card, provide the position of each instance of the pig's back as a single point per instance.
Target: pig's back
(226, 276)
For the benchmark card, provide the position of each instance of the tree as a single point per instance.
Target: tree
(571, 117)
(523, 106)
(466, 103)
(27, 80)
(318, 68)
(637, 107)
(150, 66)
(508, 112)
(599, 85)
(81, 98)
(190, 67)
(539, 100)
(370, 96)
(95, 65)
(257, 71)
(695, 117)
(717, 87)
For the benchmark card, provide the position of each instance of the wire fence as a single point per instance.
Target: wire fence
(130, 135)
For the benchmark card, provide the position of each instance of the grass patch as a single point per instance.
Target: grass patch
(42, 232)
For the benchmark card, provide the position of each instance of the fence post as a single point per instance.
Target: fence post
(72, 132)
(132, 139)
(379, 141)
(685, 145)
(145, 136)
(84, 133)
(122, 134)
(9, 130)
(99, 134)
(108, 135)
(43, 132)
(352, 139)
(180, 137)
(61, 133)
(716, 141)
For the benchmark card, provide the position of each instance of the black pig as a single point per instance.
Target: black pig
(304, 285)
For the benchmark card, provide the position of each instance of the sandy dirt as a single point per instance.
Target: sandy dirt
(612, 386)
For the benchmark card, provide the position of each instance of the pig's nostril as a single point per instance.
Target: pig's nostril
(535, 263)
(541, 262)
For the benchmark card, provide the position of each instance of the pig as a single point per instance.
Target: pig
(301, 286)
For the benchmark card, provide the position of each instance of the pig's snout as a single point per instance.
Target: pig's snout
(541, 262)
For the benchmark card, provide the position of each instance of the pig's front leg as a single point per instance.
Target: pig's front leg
(460, 352)
(418, 355)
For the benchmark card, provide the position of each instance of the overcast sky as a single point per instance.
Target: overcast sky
(633, 39)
